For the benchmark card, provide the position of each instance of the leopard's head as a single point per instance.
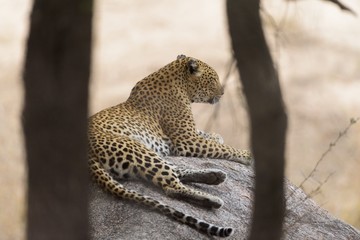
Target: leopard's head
(203, 84)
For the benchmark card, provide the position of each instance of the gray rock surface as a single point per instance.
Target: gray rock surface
(112, 218)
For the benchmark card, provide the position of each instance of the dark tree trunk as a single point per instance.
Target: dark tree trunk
(56, 78)
(267, 116)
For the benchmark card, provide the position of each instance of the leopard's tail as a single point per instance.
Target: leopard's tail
(104, 179)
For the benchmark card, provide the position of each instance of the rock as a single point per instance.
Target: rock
(113, 218)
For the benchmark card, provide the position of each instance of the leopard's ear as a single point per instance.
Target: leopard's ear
(181, 56)
(193, 66)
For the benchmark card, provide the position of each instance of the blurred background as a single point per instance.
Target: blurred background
(315, 46)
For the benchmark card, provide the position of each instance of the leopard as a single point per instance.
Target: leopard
(131, 140)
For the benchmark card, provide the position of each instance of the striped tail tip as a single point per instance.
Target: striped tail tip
(225, 232)
(220, 231)
(214, 230)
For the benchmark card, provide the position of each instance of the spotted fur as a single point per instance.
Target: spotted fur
(129, 140)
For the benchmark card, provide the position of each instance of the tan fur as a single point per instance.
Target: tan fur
(129, 140)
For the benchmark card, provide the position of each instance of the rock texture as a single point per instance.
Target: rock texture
(112, 218)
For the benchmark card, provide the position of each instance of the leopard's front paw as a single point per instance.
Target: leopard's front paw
(217, 137)
(211, 136)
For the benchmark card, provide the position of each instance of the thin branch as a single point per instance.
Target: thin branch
(315, 191)
(300, 202)
(331, 145)
(340, 5)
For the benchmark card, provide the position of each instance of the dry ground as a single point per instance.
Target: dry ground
(317, 50)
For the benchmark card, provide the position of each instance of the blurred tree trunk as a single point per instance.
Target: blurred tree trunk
(267, 116)
(56, 78)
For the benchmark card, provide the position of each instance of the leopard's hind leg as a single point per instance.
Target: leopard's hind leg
(126, 158)
(104, 179)
(207, 176)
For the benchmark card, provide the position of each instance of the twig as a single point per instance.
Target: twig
(301, 201)
(315, 191)
(331, 145)
(300, 220)
(341, 6)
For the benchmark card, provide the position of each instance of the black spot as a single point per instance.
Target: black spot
(204, 225)
(164, 173)
(188, 154)
(139, 160)
(167, 167)
(158, 166)
(125, 165)
(111, 161)
(154, 169)
(166, 211)
(129, 157)
(147, 158)
(213, 230)
(147, 165)
(221, 232)
(168, 181)
(103, 160)
(156, 160)
(191, 220)
(179, 214)
(228, 231)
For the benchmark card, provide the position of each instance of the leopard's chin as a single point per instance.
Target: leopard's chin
(214, 100)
